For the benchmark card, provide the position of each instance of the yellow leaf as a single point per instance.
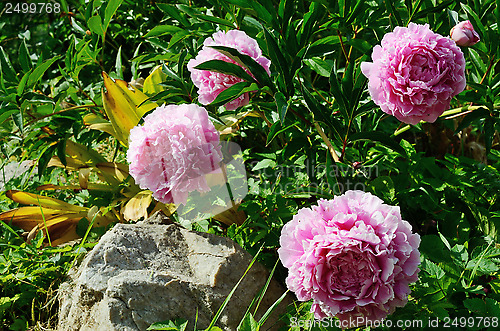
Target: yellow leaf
(81, 153)
(121, 103)
(151, 84)
(232, 215)
(231, 122)
(137, 206)
(83, 177)
(167, 209)
(115, 169)
(28, 217)
(71, 164)
(95, 122)
(90, 186)
(40, 200)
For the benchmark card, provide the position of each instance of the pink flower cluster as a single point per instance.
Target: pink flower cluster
(210, 83)
(172, 151)
(353, 256)
(464, 34)
(415, 73)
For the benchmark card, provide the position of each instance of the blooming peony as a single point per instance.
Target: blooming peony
(464, 34)
(210, 83)
(415, 73)
(173, 150)
(353, 256)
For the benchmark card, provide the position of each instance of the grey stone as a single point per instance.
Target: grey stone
(14, 169)
(139, 274)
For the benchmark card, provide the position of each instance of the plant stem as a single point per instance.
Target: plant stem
(327, 141)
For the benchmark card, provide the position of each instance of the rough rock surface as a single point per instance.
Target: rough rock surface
(139, 274)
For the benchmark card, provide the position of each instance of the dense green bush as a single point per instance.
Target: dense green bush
(445, 176)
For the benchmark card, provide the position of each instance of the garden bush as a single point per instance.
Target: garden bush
(316, 101)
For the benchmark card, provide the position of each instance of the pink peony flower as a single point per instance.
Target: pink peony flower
(173, 150)
(415, 73)
(353, 256)
(210, 83)
(464, 34)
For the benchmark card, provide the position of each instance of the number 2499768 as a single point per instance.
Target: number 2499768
(32, 8)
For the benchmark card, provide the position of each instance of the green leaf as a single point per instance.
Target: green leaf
(178, 325)
(6, 66)
(24, 58)
(7, 112)
(225, 68)
(44, 159)
(111, 9)
(381, 137)
(321, 67)
(383, 187)
(281, 105)
(248, 324)
(95, 25)
(310, 19)
(394, 12)
(18, 119)
(276, 129)
(432, 269)
(336, 90)
(279, 61)
(247, 62)
(480, 113)
(118, 64)
(321, 114)
(486, 307)
(263, 164)
(22, 83)
(233, 92)
(173, 12)
(478, 62)
(161, 30)
(40, 70)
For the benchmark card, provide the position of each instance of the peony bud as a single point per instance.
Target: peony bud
(463, 34)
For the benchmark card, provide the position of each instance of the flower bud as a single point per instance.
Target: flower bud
(463, 34)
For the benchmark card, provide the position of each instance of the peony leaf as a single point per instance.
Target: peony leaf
(227, 68)
(161, 30)
(122, 106)
(277, 58)
(248, 63)
(381, 137)
(282, 106)
(234, 92)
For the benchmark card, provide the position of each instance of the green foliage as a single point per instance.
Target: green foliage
(29, 277)
(310, 131)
